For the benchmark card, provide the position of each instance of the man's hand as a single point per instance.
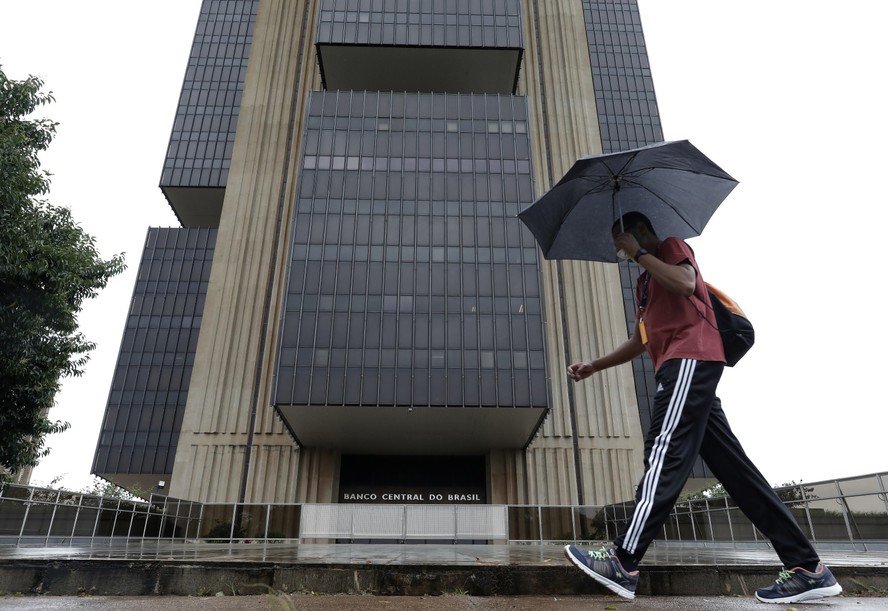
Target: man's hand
(581, 371)
(623, 353)
(627, 243)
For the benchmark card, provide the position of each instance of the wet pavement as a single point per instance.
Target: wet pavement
(426, 603)
(289, 576)
(435, 554)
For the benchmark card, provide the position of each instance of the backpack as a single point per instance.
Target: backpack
(733, 325)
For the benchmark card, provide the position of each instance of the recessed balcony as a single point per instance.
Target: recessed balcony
(419, 69)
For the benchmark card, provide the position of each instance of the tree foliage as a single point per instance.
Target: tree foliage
(48, 267)
(102, 487)
(711, 491)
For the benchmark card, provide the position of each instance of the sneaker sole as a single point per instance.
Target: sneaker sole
(833, 590)
(607, 583)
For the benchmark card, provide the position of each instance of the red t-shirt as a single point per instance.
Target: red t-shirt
(676, 326)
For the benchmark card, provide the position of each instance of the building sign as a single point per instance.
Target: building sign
(412, 480)
(412, 497)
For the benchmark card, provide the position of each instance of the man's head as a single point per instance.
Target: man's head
(639, 226)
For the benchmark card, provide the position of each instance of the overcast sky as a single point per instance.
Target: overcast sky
(785, 95)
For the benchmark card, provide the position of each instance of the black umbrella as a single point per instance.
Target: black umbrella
(672, 183)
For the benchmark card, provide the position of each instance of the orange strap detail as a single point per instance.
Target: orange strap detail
(727, 301)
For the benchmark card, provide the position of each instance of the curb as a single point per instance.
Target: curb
(184, 578)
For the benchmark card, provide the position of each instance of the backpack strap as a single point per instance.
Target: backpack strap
(729, 303)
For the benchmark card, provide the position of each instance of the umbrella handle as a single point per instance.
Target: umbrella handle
(615, 205)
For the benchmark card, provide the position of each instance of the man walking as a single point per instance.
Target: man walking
(676, 325)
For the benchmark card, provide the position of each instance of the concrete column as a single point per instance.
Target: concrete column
(584, 308)
(240, 320)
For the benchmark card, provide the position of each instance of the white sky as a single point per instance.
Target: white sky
(784, 95)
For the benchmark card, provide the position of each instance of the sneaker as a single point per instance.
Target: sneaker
(604, 567)
(797, 585)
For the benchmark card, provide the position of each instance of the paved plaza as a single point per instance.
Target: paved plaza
(289, 576)
(703, 554)
(427, 603)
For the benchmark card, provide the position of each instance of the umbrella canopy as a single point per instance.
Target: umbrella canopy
(672, 183)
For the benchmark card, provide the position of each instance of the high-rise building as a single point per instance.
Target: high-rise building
(351, 310)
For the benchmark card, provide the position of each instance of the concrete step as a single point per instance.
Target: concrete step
(398, 570)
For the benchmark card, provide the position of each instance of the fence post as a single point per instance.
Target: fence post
(351, 530)
(539, 523)
(200, 521)
(76, 517)
(52, 517)
(844, 505)
(163, 519)
(709, 519)
(114, 523)
(25, 517)
(808, 513)
(147, 515)
(883, 494)
(92, 539)
(129, 530)
(234, 520)
(455, 523)
(728, 516)
(691, 520)
(573, 521)
(404, 524)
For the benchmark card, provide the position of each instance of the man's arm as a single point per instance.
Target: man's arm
(678, 279)
(623, 353)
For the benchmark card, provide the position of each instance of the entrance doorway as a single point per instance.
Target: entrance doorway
(413, 479)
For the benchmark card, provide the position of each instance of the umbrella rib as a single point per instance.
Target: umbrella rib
(625, 165)
(677, 211)
(639, 171)
(607, 182)
(597, 182)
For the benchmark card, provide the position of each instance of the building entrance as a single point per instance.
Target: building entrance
(413, 479)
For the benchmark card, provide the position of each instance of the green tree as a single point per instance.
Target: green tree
(48, 267)
(712, 491)
(102, 487)
(792, 495)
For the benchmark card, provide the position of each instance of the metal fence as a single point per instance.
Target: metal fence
(847, 511)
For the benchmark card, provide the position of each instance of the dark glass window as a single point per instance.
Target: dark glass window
(199, 152)
(150, 382)
(421, 267)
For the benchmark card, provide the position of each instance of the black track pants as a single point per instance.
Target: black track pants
(688, 420)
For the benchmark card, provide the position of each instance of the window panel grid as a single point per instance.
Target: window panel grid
(199, 152)
(149, 388)
(426, 258)
(624, 89)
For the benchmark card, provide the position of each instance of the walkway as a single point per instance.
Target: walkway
(459, 571)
